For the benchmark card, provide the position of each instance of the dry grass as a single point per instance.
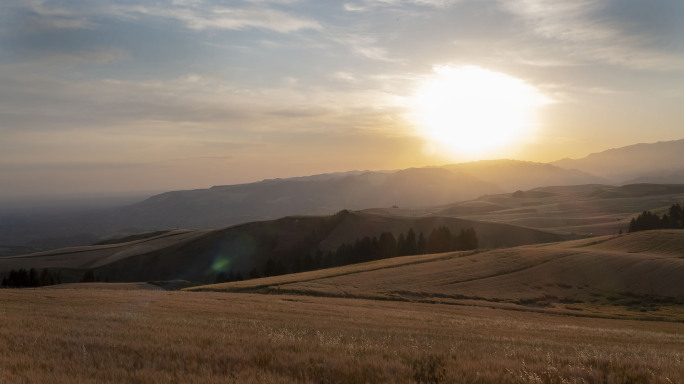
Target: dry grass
(635, 276)
(595, 209)
(90, 336)
(107, 286)
(93, 256)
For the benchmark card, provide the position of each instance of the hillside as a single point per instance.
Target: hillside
(635, 163)
(270, 199)
(224, 205)
(200, 255)
(640, 272)
(583, 209)
(512, 175)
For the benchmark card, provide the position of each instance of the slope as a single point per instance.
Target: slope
(201, 255)
(583, 209)
(511, 175)
(638, 275)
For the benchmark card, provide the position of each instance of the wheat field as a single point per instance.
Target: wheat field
(137, 336)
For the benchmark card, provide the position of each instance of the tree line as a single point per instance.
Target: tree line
(672, 219)
(369, 248)
(21, 278)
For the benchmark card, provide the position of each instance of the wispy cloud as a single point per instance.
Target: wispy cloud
(201, 16)
(53, 16)
(587, 32)
(363, 45)
(194, 14)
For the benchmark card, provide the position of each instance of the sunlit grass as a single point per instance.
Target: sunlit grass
(154, 336)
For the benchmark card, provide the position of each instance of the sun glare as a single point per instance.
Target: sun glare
(470, 112)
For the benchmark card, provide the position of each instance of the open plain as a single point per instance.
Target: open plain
(100, 335)
(601, 310)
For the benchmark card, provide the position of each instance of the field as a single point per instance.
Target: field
(633, 276)
(100, 335)
(600, 310)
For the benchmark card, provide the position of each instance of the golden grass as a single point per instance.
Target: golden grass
(328, 272)
(108, 286)
(93, 256)
(94, 336)
(634, 276)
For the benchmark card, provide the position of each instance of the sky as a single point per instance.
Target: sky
(104, 96)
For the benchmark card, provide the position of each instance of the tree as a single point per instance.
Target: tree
(421, 245)
(89, 277)
(411, 247)
(440, 240)
(467, 239)
(387, 245)
(401, 245)
(674, 218)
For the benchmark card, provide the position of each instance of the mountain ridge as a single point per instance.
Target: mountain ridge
(624, 164)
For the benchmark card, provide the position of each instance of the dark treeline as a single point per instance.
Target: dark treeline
(22, 278)
(368, 249)
(674, 218)
(224, 277)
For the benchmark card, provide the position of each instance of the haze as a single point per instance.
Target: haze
(103, 96)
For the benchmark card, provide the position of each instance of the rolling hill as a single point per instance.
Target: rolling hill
(639, 272)
(583, 209)
(270, 199)
(199, 255)
(512, 175)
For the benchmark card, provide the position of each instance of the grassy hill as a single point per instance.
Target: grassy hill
(200, 255)
(637, 275)
(326, 194)
(592, 209)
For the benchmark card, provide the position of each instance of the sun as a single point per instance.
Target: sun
(471, 112)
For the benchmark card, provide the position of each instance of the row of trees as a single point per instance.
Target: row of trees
(371, 248)
(674, 218)
(22, 278)
(386, 246)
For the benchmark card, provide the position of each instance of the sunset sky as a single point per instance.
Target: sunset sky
(109, 96)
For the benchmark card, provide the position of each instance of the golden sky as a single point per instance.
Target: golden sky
(109, 96)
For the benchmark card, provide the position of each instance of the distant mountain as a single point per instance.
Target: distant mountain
(512, 175)
(415, 187)
(676, 177)
(270, 199)
(658, 162)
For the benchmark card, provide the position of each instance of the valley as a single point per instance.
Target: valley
(477, 272)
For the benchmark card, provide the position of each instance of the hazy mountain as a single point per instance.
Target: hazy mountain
(269, 199)
(645, 162)
(232, 204)
(676, 177)
(416, 187)
(512, 175)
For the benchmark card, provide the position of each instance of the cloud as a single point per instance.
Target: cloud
(366, 5)
(196, 14)
(592, 31)
(47, 15)
(202, 15)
